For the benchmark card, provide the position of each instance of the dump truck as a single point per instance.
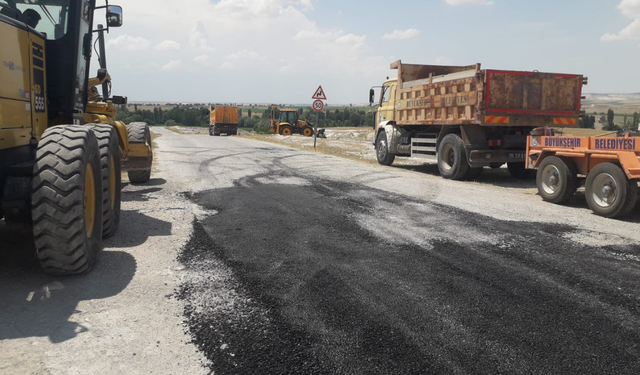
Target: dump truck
(608, 167)
(286, 121)
(61, 150)
(223, 119)
(464, 118)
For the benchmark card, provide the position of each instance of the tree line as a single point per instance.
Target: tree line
(198, 115)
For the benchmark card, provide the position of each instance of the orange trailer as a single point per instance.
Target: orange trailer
(609, 167)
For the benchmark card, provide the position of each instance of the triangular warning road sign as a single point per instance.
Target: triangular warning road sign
(319, 94)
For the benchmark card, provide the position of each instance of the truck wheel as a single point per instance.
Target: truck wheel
(307, 131)
(473, 173)
(382, 150)
(66, 200)
(286, 130)
(107, 137)
(139, 132)
(452, 158)
(556, 179)
(210, 132)
(609, 192)
(519, 170)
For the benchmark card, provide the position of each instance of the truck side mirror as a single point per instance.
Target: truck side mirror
(114, 16)
(372, 95)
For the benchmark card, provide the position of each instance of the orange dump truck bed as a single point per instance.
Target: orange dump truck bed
(223, 114)
(453, 95)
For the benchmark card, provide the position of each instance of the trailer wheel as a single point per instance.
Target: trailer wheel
(519, 170)
(609, 192)
(452, 158)
(286, 130)
(556, 179)
(382, 150)
(111, 175)
(67, 200)
(139, 132)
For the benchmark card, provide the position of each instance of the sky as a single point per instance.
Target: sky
(280, 51)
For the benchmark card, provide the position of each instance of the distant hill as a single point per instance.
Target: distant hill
(635, 97)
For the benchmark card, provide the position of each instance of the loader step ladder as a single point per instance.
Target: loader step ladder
(424, 147)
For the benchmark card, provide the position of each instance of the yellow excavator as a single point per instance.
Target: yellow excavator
(61, 150)
(286, 121)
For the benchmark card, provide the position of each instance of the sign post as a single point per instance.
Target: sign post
(318, 106)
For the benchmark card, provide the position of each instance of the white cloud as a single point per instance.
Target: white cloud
(476, 2)
(198, 38)
(227, 66)
(202, 60)
(631, 9)
(167, 45)
(171, 65)
(245, 55)
(443, 60)
(401, 34)
(128, 43)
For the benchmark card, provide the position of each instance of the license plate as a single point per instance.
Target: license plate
(515, 155)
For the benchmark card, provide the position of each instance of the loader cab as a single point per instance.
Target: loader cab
(290, 117)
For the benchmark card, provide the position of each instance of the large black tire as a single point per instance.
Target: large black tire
(286, 130)
(556, 179)
(382, 150)
(210, 132)
(519, 170)
(66, 200)
(139, 132)
(452, 158)
(609, 192)
(307, 131)
(111, 176)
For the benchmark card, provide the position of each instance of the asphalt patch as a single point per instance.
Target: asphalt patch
(338, 278)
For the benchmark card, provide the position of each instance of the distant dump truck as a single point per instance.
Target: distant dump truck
(465, 118)
(223, 119)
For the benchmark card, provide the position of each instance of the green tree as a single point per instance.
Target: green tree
(249, 113)
(170, 123)
(239, 112)
(610, 117)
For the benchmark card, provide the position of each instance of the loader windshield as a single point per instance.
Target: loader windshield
(52, 16)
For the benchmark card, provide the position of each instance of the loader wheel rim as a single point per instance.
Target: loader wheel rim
(286, 131)
(605, 190)
(307, 132)
(89, 201)
(112, 182)
(448, 157)
(550, 179)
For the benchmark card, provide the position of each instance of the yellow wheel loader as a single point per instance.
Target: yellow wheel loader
(286, 121)
(61, 150)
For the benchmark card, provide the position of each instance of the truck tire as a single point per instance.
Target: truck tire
(107, 137)
(609, 192)
(519, 170)
(306, 131)
(66, 200)
(210, 132)
(286, 130)
(556, 179)
(139, 132)
(452, 158)
(382, 150)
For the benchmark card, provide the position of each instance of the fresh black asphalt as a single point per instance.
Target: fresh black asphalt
(330, 286)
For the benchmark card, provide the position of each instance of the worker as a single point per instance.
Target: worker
(31, 17)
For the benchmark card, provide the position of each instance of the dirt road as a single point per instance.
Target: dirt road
(277, 260)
